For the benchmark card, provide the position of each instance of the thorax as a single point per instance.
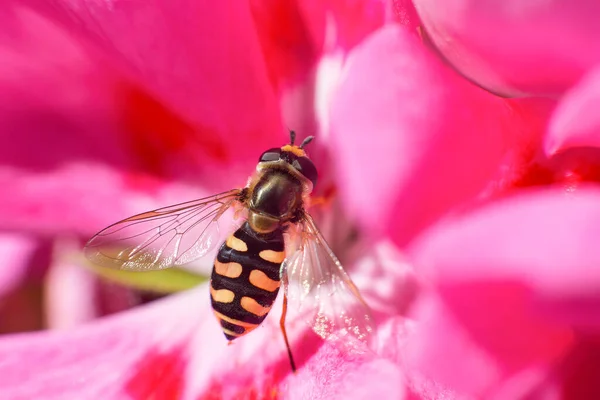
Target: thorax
(274, 198)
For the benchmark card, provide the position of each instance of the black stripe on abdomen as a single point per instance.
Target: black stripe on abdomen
(254, 286)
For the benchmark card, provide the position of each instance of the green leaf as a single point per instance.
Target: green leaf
(163, 281)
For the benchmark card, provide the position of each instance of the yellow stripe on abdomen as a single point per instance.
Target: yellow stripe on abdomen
(272, 256)
(222, 295)
(252, 306)
(230, 269)
(260, 280)
(236, 244)
(246, 325)
(232, 333)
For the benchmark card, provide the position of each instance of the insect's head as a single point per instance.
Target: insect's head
(295, 156)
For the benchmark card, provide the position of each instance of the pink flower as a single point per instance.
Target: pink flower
(507, 309)
(516, 297)
(444, 138)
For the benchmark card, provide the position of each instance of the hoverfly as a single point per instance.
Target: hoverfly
(278, 241)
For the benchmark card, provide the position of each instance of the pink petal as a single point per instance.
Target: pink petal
(174, 348)
(575, 122)
(54, 147)
(45, 139)
(515, 46)
(435, 355)
(406, 15)
(170, 349)
(295, 34)
(203, 63)
(397, 339)
(353, 20)
(442, 350)
(83, 198)
(524, 165)
(325, 370)
(359, 376)
(105, 359)
(412, 139)
(39, 130)
(543, 242)
(517, 277)
(303, 44)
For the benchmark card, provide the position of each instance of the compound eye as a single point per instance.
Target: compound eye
(270, 155)
(306, 167)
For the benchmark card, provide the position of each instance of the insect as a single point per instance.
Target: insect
(277, 242)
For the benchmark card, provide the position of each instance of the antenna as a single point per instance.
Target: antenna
(306, 141)
(292, 137)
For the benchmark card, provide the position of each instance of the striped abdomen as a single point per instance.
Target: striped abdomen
(245, 279)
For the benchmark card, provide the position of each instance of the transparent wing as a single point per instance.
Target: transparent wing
(162, 238)
(325, 294)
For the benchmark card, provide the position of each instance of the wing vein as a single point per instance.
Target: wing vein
(164, 237)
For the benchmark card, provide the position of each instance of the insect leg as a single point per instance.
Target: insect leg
(282, 325)
(284, 280)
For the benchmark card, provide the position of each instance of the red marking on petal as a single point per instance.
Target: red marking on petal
(534, 174)
(161, 139)
(287, 45)
(568, 169)
(582, 371)
(158, 376)
(249, 382)
(218, 391)
(143, 182)
(355, 20)
(292, 33)
(247, 386)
